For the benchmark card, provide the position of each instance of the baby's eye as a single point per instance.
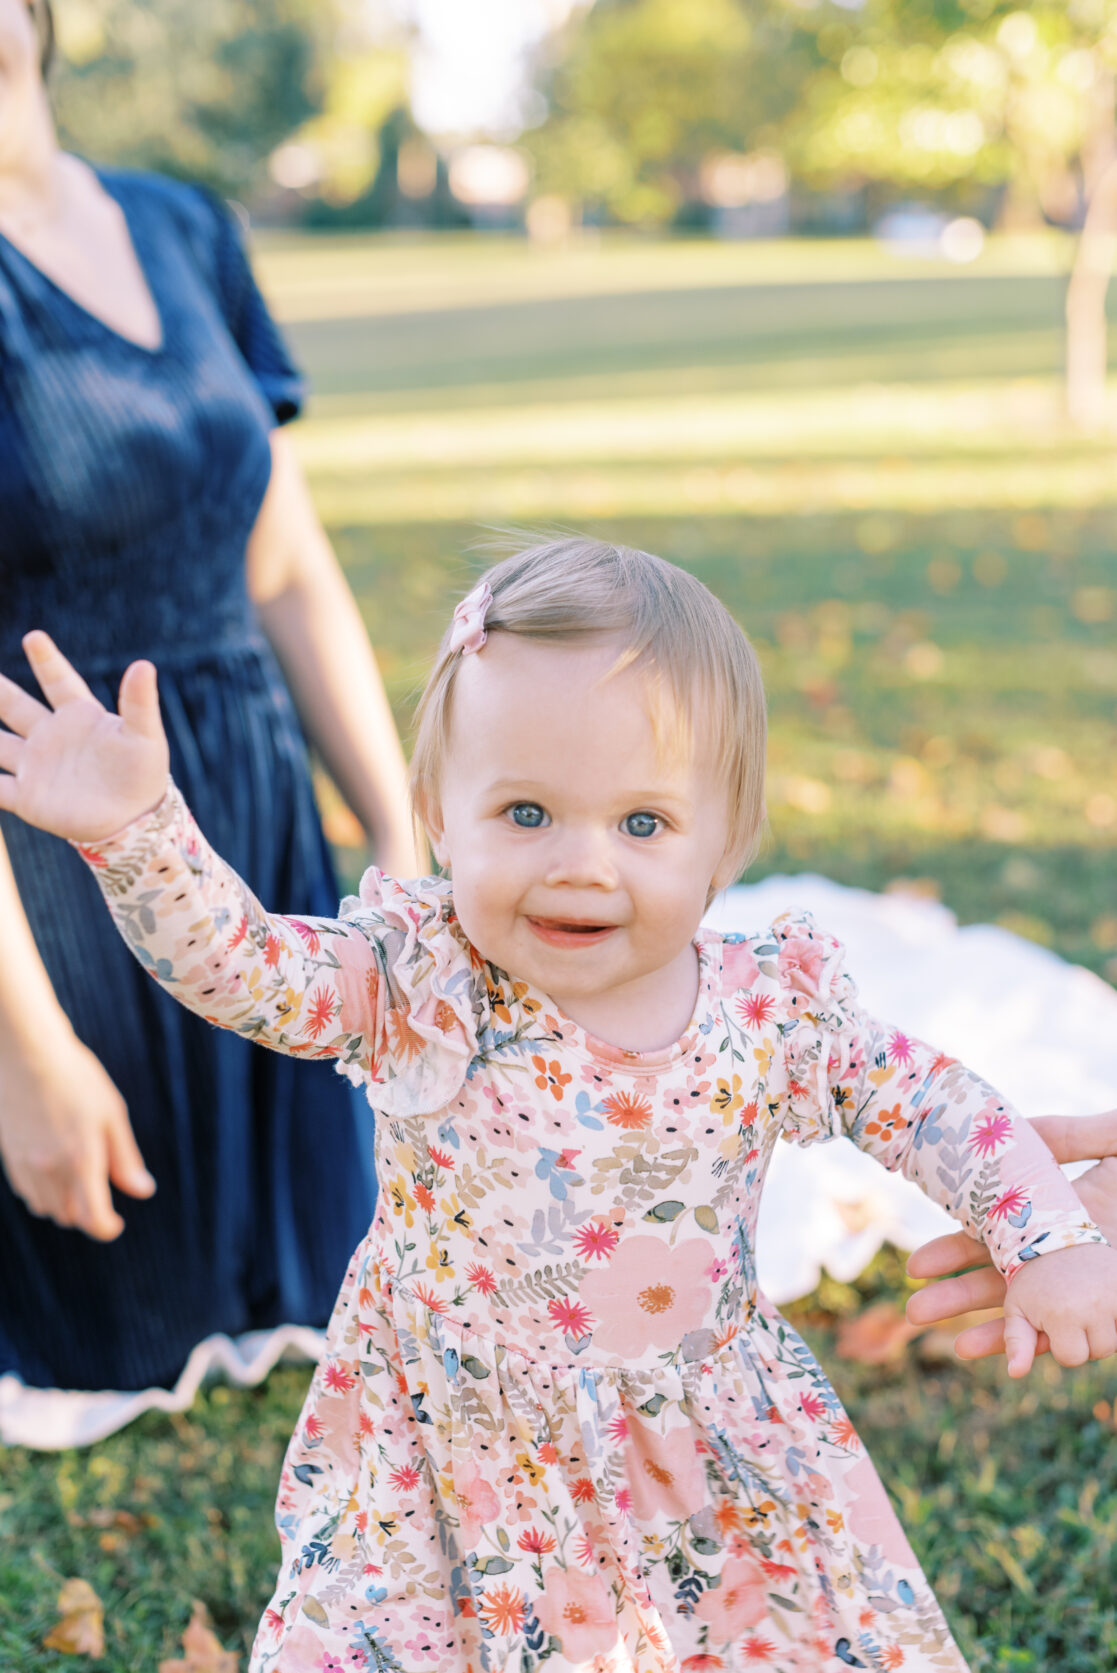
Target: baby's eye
(528, 815)
(642, 824)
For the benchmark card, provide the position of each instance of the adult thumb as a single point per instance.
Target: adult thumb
(1020, 1344)
(126, 1165)
(138, 703)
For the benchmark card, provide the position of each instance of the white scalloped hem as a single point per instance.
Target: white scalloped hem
(49, 1419)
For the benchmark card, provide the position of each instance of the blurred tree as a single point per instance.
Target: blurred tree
(640, 92)
(202, 89)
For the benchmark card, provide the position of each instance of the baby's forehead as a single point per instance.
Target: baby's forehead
(520, 696)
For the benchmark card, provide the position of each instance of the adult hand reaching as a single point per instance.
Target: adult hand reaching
(950, 1259)
(74, 768)
(65, 1137)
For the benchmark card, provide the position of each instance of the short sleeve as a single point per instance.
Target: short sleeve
(253, 330)
(819, 1002)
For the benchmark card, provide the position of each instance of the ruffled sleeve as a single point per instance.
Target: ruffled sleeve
(431, 1001)
(390, 989)
(819, 1002)
(917, 1110)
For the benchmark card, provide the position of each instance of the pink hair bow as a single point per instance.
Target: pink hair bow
(468, 631)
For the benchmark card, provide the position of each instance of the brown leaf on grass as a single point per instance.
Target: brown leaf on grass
(81, 1631)
(201, 1648)
(876, 1336)
(202, 1651)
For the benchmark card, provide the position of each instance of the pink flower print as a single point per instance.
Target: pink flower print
(569, 1316)
(703, 1662)
(738, 964)
(664, 1472)
(477, 1502)
(597, 1238)
(869, 1515)
(899, 1049)
(617, 1429)
(649, 1295)
(481, 1278)
(811, 1406)
(738, 1604)
(1008, 1205)
(716, 1271)
(536, 1542)
(578, 1609)
(754, 1009)
(801, 961)
(991, 1131)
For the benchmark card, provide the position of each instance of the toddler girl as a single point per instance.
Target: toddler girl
(556, 1422)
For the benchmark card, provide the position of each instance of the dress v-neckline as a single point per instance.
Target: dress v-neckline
(153, 350)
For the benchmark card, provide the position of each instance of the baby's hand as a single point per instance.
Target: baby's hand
(74, 768)
(1071, 1295)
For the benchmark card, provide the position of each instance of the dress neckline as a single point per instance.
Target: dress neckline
(152, 351)
(707, 943)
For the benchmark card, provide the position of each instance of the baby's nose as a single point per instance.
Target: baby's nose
(580, 858)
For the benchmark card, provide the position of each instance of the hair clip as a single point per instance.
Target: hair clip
(467, 634)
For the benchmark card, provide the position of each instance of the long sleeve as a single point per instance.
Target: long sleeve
(918, 1111)
(386, 988)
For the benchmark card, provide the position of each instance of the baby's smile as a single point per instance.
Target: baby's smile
(566, 933)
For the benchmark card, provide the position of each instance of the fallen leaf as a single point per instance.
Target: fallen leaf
(81, 1631)
(879, 1334)
(202, 1649)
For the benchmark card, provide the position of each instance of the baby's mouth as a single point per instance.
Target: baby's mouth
(565, 932)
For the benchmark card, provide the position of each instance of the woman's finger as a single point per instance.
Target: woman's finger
(952, 1253)
(979, 1341)
(1079, 1138)
(951, 1296)
(58, 679)
(19, 711)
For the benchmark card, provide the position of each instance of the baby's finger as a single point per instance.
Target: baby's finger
(951, 1253)
(1069, 1344)
(966, 1294)
(138, 702)
(1102, 1339)
(1020, 1344)
(59, 680)
(18, 709)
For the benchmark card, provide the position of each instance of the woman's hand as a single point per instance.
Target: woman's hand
(65, 1136)
(74, 768)
(960, 1290)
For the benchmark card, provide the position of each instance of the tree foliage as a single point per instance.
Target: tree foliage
(913, 95)
(202, 89)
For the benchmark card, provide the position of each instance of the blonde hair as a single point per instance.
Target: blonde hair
(574, 590)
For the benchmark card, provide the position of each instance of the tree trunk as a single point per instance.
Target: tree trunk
(1093, 263)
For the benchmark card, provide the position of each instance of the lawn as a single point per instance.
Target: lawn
(865, 457)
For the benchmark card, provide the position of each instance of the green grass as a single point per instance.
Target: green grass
(866, 459)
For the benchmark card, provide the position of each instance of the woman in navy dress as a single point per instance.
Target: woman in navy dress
(142, 384)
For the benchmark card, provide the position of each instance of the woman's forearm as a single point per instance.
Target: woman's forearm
(30, 1015)
(312, 621)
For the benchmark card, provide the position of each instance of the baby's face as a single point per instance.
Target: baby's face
(581, 855)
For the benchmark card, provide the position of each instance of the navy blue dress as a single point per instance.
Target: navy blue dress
(130, 481)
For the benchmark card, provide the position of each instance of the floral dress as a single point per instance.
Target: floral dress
(557, 1424)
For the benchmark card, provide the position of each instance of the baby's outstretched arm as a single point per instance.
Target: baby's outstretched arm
(950, 1132)
(302, 987)
(920, 1112)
